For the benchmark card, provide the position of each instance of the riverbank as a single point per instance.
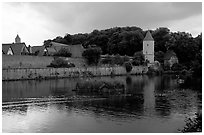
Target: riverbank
(50, 73)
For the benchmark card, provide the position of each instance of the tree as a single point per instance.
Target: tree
(128, 66)
(161, 36)
(46, 43)
(63, 52)
(92, 55)
(138, 58)
(60, 62)
(159, 56)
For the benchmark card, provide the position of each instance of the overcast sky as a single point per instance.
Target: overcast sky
(36, 22)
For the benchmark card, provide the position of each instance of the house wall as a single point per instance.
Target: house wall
(43, 73)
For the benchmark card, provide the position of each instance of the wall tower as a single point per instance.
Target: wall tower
(148, 47)
(17, 39)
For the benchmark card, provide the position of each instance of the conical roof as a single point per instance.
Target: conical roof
(148, 37)
(17, 36)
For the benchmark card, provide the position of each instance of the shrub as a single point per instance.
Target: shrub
(63, 52)
(139, 58)
(59, 62)
(194, 125)
(92, 55)
(176, 67)
(128, 67)
(118, 60)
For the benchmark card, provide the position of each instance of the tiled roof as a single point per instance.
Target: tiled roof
(58, 46)
(50, 50)
(18, 48)
(5, 48)
(148, 37)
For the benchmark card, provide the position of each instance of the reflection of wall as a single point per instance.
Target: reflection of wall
(37, 89)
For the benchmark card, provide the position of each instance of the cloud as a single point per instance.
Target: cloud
(42, 21)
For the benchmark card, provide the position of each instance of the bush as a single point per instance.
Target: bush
(92, 55)
(118, 60)
(176, 67)
(63, 52)
(138, 58)
(59, 62)
(194, 125)
(128, 67)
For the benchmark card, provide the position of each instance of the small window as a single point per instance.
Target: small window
(147, 44)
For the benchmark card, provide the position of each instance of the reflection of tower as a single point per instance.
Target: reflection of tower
(148, 47)
(149, 95)
(17, 39)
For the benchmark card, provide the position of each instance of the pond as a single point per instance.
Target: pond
(146, 105)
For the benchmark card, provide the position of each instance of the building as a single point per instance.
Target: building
(75, 50)
(148, 47)
(16, 48)
(17, 39)
(170, 58)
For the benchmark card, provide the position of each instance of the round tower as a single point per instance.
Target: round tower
(148, 47)
(17, 39)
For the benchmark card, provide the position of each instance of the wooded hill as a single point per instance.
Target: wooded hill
(128, 40)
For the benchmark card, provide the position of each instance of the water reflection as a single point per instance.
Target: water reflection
(147, 104)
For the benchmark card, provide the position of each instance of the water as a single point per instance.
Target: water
(148, 104)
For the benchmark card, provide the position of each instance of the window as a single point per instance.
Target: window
(147, 44)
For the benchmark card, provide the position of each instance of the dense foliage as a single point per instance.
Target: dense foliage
(60, 63)
(115, 60)
(92, 55)
(63, 52)
(128, 40)
(138, 59)
(193, 125)
(128, 66)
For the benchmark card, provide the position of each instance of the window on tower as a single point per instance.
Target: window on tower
(147, 44)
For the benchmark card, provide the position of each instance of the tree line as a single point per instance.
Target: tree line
(128, 40)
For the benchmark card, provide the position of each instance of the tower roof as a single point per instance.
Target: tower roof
(148, 37)
(17, 36)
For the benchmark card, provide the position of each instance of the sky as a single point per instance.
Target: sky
(35, 22)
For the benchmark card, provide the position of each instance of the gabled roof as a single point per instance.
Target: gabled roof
(5, 48)
(18, 48)
(148, 37)
(169, 54)
(58, 46)
(50, 50)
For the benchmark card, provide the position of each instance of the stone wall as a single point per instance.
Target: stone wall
(48, 73)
